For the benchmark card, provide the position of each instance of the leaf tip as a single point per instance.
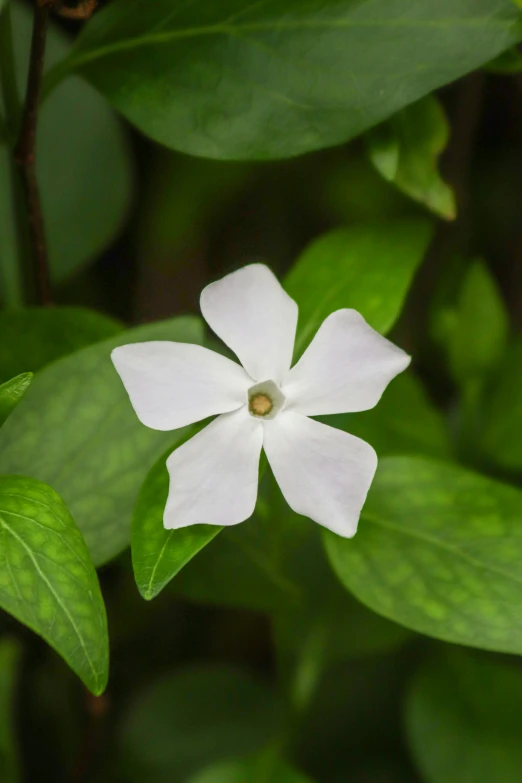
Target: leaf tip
(147, 591)
(99, 686)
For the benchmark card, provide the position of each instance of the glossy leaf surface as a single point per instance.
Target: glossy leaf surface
(368, 268)
(438, 550)
(47, 579)
(276, 79)
(405, 150)
(76, 430)
(11, 392)
(159, 554)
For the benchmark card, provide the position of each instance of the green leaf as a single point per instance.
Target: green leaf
(193, 718)
(47, 579)
(11, 392)
(463, 719)
(368, 268)
(244, 567)
(273, 80)
(265, 768)
(507, 63)
(406, 149)
(501, 438)
(404, 422)
(79, 140)
(33, 337)
(438, 550)
(9, 664)
(480, 326)
(76, 430)
(159, 554)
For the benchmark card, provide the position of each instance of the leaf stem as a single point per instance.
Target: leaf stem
(25, 156)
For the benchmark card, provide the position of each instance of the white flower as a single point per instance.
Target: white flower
(323, 473)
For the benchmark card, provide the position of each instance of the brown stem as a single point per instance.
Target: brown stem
(25, 156)
(97, 708)
(83, 11)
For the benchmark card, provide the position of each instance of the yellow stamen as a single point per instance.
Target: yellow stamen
(260, 405)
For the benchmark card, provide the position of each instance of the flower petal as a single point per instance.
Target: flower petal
(254, 316)
(345, 369)
(214, 476)
(324, 473)
(171, 385)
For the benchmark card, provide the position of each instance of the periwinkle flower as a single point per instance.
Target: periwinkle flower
(324, 473)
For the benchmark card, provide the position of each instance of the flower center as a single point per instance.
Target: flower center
(260, 405)
(265, 400)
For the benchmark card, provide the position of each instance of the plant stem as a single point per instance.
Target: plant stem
(97, 708)
(25, 156)
(8, 74)
(11, 279)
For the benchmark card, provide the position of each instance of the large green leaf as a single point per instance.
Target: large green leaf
(438, 550)
(265, 768)
(502, 433)
(195, 717)
(403, 422)
(47, 579)
(11, 392)
(405, 150)
(464, 715)
(32, 337)
(76, 430)
(369, 268)
(159, 554)
(9, 662)
(79, 141)
(275, 79)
